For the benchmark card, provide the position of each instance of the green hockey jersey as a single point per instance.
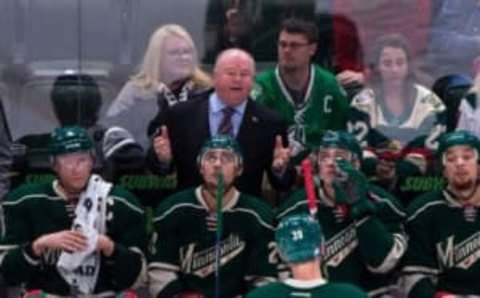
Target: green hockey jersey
(183, 254)
(35, 210)
(323, 107)
(292, 288)
(444, 247)
(363, 252)
(420, 125)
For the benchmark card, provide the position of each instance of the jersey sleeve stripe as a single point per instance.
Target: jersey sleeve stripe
(128, 204)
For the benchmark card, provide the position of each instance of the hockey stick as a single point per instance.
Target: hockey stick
(309, 184)
(218, 238)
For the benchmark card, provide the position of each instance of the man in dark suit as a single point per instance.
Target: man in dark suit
(227, 109)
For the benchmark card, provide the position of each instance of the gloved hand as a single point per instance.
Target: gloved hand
(351, 187)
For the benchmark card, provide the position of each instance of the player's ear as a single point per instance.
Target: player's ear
(239, 170)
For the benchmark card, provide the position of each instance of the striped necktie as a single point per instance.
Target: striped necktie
(226, 125)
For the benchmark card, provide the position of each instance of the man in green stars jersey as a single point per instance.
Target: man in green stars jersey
(76, 236)
(305, 95)
(443, 258)
(183, 256)
(300, 242)
(362, 224)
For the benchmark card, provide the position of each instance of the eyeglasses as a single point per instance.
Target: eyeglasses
(292, 45)
(223, 157)
(180, 52)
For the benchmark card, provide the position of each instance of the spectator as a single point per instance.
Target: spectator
(225, 110)
(300, 242)
(451, 89)
(304, 94)
(76, 235)
(363, 223)
(76, 101)
(231, 24)
(442, 257)
(168, 75)
(395, 114)
(184, 257)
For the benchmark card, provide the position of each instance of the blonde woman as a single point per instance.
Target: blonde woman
(168, 74)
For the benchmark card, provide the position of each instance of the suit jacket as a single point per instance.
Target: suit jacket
(188, 128)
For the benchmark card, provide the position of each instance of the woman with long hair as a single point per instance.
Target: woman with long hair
(394, 117)
(168, 74)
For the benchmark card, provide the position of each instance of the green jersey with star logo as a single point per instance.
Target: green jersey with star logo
(323, 106)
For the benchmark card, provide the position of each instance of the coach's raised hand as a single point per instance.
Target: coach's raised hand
(281, 156)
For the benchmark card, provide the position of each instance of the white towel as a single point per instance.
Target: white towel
(80, 269)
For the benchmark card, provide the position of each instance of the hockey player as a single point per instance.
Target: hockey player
(444, 226)
(362, 223)
(300, 241)
(184, 256)
(76, 236)
(304, 94)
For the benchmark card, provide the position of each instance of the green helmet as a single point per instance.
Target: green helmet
(342, 140)
(299, 238)
(455, 138)
(69, 139)
(221, 142)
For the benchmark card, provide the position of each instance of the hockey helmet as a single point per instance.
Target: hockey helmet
(299, 238)
(69, 139)
(461, 137)
(221, 142)
(342, 140)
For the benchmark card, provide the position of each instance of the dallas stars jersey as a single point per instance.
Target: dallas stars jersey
(183, 256)
(444, 247)
(291, 288)
(323, 107)
(362, 252)
(35, 210)
(419, 126)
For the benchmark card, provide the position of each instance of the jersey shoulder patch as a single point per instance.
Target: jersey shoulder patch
(429, 100)
(364, 100)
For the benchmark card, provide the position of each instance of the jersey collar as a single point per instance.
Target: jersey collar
(229, 206)
(287, 95)
(305, 284)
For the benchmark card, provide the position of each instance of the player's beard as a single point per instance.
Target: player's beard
(463, 185)
(463, 189)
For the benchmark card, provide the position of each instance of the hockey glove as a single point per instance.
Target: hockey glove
(351, 187)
